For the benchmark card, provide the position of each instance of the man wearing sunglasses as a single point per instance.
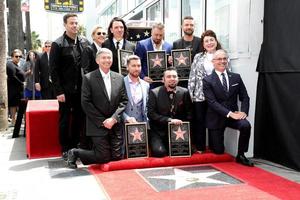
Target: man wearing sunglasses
(43, 80)
(88, 60)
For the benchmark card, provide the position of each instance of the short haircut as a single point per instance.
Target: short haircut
(130, 58)
(218, 51)
(158, 25)
(187, 18)
(170, 69)
(15, 51)
(102, 51)
(67, 16)
(95, 28)
(48, 42)
(118, 19)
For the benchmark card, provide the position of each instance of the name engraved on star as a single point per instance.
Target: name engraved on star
(182, 62)
(156, 63)
(179, 140)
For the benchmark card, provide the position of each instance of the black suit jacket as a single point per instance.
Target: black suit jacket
(196, 45)
(96, 104)
(110, 45)
(159, 106)
(88, 59)
(42, 71)
(221, 102)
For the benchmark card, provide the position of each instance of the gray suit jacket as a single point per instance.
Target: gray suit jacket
(145, 90)
(96, 104)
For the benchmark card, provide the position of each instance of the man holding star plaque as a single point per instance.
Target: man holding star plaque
(167, 104)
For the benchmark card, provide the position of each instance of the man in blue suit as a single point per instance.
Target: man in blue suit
(154, 43)
(222, 89)
(137, 92)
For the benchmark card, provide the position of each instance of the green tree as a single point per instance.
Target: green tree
(82, 30)
(36, 42)
(3, 79)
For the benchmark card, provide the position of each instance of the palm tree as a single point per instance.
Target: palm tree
(36, 42)
(3, 82)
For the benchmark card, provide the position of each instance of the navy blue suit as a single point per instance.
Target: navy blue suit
(141, 50)
(220, 103)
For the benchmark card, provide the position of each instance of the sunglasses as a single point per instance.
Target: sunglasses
(18, 56)
(101, 33)
(47, 46)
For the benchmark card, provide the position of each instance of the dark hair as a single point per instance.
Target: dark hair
(187, 17)
(15, 51)
(211, 34)
(170, 69)
(117, 19)
(31, 51)
(67, 16)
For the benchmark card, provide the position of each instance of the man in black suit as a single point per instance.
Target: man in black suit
(104, 99)
(117, 34)
(222, 89)
(189, 40)
(167, 103)
(43, 80)
(65, 59)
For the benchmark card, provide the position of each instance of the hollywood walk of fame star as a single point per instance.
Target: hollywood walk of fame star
(181, 59)
(157, 61)
(138, 36)
(146, 33)
(136, 135)
(179, 133)
(184, 178)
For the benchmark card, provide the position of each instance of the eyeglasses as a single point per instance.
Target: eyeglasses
(221, 59)
(101, 33)
(18, 56)
(47, 46)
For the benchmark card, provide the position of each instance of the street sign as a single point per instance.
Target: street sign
(64, 5)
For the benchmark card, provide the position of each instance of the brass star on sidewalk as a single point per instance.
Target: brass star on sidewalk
(179, 133)
(136, 135)
(157, 61)
(181, 59)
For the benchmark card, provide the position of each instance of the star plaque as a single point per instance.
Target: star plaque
(157, 64)
(136, 140)
(179, 139)
(182, 62)
(122, 56)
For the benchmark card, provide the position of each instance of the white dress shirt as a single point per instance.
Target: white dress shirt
(221, 78)
(107, 82)
(120, 43)
(136, 91)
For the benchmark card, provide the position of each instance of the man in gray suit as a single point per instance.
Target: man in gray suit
(103, 100)
(137, 92)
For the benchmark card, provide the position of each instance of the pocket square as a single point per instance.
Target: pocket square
(234, 85)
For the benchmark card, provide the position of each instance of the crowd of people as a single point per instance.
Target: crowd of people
(95, 100)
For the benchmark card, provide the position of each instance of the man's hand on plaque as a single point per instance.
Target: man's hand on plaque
(176, 121)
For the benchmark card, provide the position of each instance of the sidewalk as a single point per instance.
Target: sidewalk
(44, 179)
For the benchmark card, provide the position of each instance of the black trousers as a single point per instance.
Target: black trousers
(199, 128)
(217, 136)
(48, 92)
(105, 148)
(159, 144)
(71, 122)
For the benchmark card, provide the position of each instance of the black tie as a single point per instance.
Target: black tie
(117, 44)
(224, 82)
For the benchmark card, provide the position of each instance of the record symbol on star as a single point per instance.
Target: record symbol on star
(136, 135)
(181, 59)
(179, 133)
(156, 61)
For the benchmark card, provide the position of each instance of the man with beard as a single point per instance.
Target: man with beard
(137, 92)
(154, 43)
(188, 41)
(167, 103)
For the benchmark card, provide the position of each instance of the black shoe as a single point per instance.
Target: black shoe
(65, 155)
(72, 158)
(244, 161)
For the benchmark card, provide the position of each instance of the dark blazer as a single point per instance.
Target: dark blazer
(196, 45)
(141, 50)
(42, 71)
(221, 102)
(96, 104)
(88, 59)
(110, 45)
(159, 107)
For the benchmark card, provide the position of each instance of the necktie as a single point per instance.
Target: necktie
(224, 82)
(117, 44)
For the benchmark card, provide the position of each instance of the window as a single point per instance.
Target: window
(154, 12)
(194, 8)
(172, 20)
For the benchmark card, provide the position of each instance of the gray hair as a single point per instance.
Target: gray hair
(103, 51)
(219, 51)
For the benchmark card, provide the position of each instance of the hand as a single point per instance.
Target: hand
(61, 98)
(176, 121)
(37, 86)
(148, 79)
(131, 120)
(109, 123)
(238, 115)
